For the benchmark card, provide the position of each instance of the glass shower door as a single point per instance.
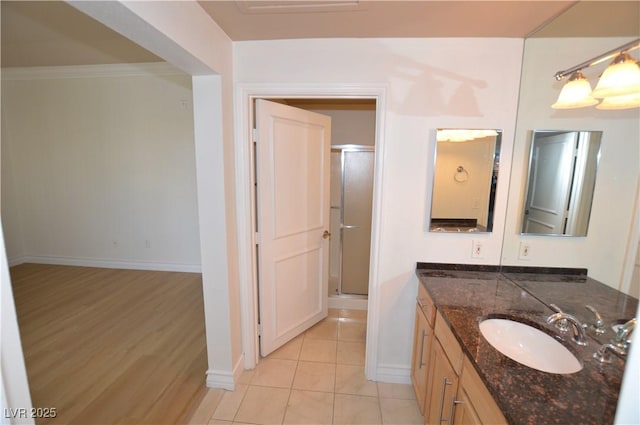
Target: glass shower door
(357, 198)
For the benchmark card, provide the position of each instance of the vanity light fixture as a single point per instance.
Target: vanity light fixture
(619, 85)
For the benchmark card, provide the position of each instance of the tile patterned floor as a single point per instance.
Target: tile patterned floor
(318, 378)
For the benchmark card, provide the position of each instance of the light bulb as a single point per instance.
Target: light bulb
(622, 77)
(575, 94)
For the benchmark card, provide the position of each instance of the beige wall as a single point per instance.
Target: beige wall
(635, 278)
(99, 170)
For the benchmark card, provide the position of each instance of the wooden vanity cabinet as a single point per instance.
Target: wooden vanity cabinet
(447, 387)
(422, 340)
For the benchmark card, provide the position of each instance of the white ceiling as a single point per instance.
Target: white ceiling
(265, 20)
(52, 33)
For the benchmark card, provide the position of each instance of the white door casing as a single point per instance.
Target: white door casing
(293, 177)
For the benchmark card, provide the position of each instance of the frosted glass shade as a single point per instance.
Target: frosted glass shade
(575, 94)
(620, 78)
(620, 102)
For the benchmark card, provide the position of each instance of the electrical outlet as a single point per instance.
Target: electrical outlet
(525, 251)
(477, 250)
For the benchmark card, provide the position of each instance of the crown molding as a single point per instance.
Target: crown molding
(89, 71)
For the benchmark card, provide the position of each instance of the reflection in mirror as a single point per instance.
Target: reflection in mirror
(562, 178)
(465, 180)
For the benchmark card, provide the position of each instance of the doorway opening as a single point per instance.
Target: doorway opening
(246, 94)
(353, 138)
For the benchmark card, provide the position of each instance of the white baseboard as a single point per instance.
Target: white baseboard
(393, 374)
(107, 264)
(348, 303)
(225, 379)
(16, 261)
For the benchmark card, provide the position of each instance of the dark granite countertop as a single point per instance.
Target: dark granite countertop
(465, 295)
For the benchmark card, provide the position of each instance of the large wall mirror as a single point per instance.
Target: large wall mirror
(465, 180)
(562, 177)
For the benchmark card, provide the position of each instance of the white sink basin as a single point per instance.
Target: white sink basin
(529, 346)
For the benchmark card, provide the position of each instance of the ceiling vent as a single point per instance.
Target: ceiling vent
(318, 6)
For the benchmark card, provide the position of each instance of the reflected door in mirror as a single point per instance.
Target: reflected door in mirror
(562, 170)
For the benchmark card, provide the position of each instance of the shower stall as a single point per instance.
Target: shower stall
(351, 203)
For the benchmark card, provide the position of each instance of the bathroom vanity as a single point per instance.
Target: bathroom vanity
(460, 378)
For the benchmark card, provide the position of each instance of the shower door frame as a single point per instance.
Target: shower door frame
(351, 148)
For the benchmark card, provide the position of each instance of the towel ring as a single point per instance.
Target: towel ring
(461, 175)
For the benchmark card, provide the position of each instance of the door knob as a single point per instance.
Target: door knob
(326, 235)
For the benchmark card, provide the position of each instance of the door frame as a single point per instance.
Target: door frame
(245, 202)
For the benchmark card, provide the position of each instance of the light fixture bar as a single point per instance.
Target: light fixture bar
(635, 44)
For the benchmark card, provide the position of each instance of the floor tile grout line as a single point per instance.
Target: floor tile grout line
(286, 406)
(379, 404)
(335, 379)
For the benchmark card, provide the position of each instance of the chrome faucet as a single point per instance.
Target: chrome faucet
(579, 335)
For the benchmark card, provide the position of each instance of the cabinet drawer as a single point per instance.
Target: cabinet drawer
(426, 304)
(449, 343)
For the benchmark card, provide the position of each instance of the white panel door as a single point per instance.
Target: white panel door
(550, 184)
(293, 176)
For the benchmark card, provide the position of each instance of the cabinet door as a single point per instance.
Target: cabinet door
(478, 406)
(422, 338)
(464, 413)
(444, 386)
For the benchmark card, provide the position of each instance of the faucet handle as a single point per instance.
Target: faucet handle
(622, 336)
(598, 324)
(555, 308)
(603, 354)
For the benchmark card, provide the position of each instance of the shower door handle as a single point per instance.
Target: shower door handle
(342, 226)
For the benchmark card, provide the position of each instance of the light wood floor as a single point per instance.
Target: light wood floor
(106, 346)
